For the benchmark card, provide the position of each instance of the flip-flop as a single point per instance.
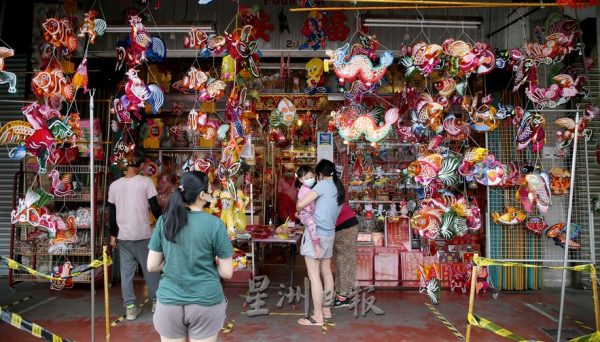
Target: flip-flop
(309, 321)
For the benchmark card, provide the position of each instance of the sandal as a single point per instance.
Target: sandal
(309, 321)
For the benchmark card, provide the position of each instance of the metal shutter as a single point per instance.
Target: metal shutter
(9, 111)
(582, 279)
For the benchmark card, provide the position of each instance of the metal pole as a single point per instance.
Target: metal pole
(251, 205)
(595, 296)
(589, 203)
(568, 232)
(93, 214)
(473, 280)
(106, 295)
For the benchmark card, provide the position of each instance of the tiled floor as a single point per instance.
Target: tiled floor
(406, 318)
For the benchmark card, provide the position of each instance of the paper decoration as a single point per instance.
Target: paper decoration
(53, 84)
(284, 115)
(242, 47)
(354, 121)
(314, 32)
(565, 138)
(359, 66)
(60, 34)
(91, 26)
(61, 185)
(139, 46)
(563, 89)
(314, 76)
(259, 20)
(511, 216)
(535, 190)
(7, 77)
(194, 80)
(15, 131)
(531, 131)
(137, 93)
(80, 79)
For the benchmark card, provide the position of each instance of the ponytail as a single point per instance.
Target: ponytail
(175, 216)
(341, 192)
(327, 168)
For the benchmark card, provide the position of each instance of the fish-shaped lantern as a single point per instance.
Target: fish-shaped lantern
(510, 217)
(535, 190)
(530, 131)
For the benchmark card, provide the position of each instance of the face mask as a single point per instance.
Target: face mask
(309, 182)
(288, 175)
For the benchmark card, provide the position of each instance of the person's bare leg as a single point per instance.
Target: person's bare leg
(316, 287)
(166, 339)
(208, 339)
(325, 267)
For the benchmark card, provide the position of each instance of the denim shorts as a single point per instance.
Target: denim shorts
(193, 321)
(325, 244)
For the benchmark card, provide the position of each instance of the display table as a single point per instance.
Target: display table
(293, 240)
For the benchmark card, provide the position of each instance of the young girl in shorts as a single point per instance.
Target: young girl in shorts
(328, 196)
(305, 180)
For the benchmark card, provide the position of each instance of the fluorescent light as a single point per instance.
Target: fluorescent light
(162, 29)
(419, 25)
(433, 23)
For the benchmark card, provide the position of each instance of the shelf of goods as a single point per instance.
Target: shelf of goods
(172, 160)
(63, 196)
(390, 252)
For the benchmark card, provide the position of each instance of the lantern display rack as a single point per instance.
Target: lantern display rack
(29, 244)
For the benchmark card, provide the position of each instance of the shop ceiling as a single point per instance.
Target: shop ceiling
(393, 27)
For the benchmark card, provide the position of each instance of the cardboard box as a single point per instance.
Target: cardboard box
(387, 264)
(364, 264)
(409, 263)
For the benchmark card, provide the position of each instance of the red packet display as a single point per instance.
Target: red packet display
(398, 232)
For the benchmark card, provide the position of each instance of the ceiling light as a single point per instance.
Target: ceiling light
(432, 23)
(208, 28)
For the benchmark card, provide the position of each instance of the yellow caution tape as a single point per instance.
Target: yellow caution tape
(17, 302)
(580, 323)
(34, 329)
(593, 337)
(227, 328)
(498, 330)
(488, 325)
(326, 325)
(20, 267)
(122, 318)
(481, 261)
(446, 323)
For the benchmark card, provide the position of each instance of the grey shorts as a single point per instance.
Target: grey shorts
(193, 321)
(325, 243)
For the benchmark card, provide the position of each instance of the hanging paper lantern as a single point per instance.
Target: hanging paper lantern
(359, 66)
(228, 68)
(91, 26)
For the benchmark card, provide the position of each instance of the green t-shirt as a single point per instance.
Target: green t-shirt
(190, 274)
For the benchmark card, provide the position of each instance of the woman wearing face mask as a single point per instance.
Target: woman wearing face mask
(310, 240)
(192, 249)
(286, 194)
(328, 195)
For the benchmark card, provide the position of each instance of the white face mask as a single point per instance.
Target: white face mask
(309, 182)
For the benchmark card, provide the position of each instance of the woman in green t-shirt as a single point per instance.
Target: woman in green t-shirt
(192, 249)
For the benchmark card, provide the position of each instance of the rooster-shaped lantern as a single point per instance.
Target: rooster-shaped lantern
(137, 92)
